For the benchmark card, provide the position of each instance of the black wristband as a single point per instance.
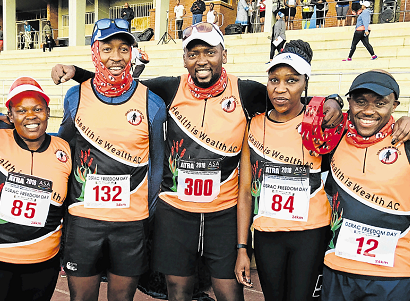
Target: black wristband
(337, 98)
(241, 246)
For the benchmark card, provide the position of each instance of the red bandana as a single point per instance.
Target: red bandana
(215, 89)
(352, 137)
(106, 83)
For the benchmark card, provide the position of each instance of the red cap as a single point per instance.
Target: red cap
(24, 84)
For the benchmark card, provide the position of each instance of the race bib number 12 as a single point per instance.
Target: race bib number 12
(361, 242)
(25, 200)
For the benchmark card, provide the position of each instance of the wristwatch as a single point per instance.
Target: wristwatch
(241, 246)
(337, 98)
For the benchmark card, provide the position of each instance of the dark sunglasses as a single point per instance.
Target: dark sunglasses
(200, 27)
(106, 23)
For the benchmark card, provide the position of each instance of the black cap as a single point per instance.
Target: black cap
(378, 82)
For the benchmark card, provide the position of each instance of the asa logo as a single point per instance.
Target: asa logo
(61, 156)
(134, 117)
(388, 155)
(228, 104)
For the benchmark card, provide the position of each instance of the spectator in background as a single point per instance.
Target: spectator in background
(138, 61)
(356, 9)
(27, 35)
(47, 29)
(212, 15)
(341, 10)
(1, 39)
(278, 35)
(290, 12)
(262, 9)
(197, 9)
(49, 43)
(307, 11)
(321, 11)
(362, 32)
(180, 12)
(241, 14)
(127, 13)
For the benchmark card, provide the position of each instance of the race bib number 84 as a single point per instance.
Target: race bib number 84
(285, 192)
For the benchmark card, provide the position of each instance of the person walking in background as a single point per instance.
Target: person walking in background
(47, 29)
(127, 13)
(278, 35)
(321, 11)
(241, 14)
(180, 12)
(341, 10)
(362, 32)
(197, 9)
(212, 15)
(307, 11)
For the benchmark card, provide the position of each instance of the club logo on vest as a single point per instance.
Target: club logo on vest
(61, 156)
(228, 104)
(388, 155)
(134, 117)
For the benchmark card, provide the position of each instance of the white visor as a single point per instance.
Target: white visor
(293, 60)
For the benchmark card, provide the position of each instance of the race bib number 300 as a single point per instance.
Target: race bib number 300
(107, 191)
(366, 243)
(199, 180)
(25, 200)
(285, 192)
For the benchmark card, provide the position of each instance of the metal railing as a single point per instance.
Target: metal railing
(141, 14)
(36, 38)
(172, 26)
(399, 15)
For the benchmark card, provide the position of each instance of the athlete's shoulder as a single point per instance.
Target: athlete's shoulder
(164, 86)
(59, 142)
(74, 91)
(156, 107)
(253, 96)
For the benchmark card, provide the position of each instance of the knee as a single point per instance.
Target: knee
(179, 288)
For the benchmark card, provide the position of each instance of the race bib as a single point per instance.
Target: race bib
(25, 200)
(199, 180)
(285, 192)
(107, 191)
(366, 243)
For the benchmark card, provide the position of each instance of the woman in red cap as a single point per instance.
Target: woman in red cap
(34, 170)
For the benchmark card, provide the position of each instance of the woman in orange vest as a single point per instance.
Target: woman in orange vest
(34, 170)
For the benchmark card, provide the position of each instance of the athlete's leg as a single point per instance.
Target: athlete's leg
(271, 257)
(180, 288)
(121, 288)
(84, 288)
(227, 289)
(305, 267)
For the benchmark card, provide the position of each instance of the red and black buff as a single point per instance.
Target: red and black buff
(352, 137)
(106, 83)
(214, 90)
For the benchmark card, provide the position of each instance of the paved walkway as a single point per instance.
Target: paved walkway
(61, 293)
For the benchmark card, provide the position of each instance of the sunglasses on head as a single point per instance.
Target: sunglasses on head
(200, 27)
(106, 23)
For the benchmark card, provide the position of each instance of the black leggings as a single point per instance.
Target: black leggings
(359, 35)
(29, 282)
(290, 264)
(273, 47)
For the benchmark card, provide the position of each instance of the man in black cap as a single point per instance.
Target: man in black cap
(368, 257)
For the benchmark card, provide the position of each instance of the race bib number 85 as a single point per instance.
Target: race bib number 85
(25, 200)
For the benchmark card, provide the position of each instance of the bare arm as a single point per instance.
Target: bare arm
(244, 208)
